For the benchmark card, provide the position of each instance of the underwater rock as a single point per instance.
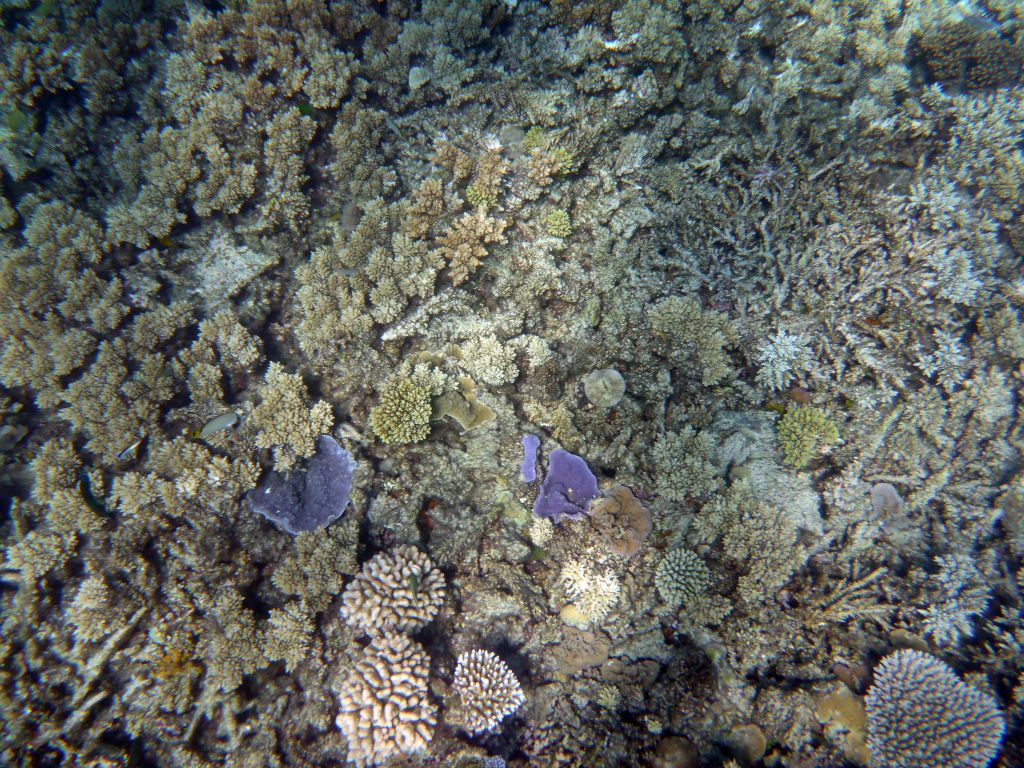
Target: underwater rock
(305, 501)
(568, 488)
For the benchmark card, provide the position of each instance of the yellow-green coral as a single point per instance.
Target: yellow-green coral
(477, 196)
(403, 414)
(536, 137)
(557, 223)
(803, 432)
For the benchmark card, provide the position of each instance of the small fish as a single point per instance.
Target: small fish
(131, 449)
(217, 424)
(85, 491)
(414, 583)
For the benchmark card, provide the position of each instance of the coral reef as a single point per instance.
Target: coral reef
(921, 714)
(232, 231)
(488, 691)
(398, 591)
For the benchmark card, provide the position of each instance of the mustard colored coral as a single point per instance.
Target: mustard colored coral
(403, 413)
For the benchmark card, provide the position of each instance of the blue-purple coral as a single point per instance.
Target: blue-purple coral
(529, 467)
(569, 486)
(305, 501)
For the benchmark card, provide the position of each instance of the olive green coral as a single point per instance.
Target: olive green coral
(557, 223)
(804, 431)
(403, 413)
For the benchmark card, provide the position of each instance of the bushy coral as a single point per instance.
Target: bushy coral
(488, 691)
(681, 576)
(403, 413)
(804, 432)
(285, 421)
(921, 715)
(557, 224)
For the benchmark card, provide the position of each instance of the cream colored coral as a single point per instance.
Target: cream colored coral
(488, 360)
(592, 594)
(488, 690)
(285, 422)
(395, 591)
(385, 709)
(464, 245)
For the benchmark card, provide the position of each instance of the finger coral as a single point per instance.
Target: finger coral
(681, 577)
(385, 707)
(398, 591)
(487, 689)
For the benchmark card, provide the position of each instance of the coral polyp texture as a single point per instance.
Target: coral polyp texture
(284, 283)
(385, 709)
(400, 590)
(488, 691)
(921, 715)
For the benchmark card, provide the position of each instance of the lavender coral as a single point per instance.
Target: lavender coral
(305, 501)
(569, 486)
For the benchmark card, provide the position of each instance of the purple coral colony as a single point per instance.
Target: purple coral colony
(533, 383)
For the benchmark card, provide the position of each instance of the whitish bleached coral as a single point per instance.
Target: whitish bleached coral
(385, 703)
(488, 360)
(398, 591)
(681, 577)
(921, 715)
(285, 421)
(593, 595)
(782, 357)
(488, 691)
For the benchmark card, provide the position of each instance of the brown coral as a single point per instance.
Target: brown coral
(464, 245)
(622, 521)
(385, 709)
(979, 58)
(426, 208)
(395, 591)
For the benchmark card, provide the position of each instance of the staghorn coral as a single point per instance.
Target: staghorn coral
(782, 357)
(403, 413)
(385, 706)
(284, 421)
(395, 591)
(921, 715)
(464, 245)
(488, 691)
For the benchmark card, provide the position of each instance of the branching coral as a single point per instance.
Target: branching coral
(804, 432)
(464, 245)
(403, 413)
(285, 421)
(488, 691)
